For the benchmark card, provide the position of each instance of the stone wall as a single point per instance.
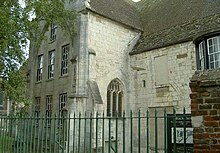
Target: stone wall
(109, 45)
(160, 77)
(205, 107)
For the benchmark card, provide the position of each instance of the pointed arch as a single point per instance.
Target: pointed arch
(115, 98)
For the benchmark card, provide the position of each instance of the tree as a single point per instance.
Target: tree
(18, 25)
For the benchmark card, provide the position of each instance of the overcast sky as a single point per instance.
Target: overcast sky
(136, 0)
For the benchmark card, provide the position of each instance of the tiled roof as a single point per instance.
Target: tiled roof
(177, 34)
(118, 10)
(168, 22)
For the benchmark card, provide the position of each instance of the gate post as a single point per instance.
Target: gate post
(205, 110)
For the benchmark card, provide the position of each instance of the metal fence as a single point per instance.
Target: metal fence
(154, 131)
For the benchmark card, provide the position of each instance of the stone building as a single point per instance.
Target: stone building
(126, 56)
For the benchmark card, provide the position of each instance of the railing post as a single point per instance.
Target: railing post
(31, 132)
(46, 130)
(42, 133)
(90, 145)
(147, 130)
(50, 135)
(174, 130)
(38, 135)
(96, 136)
(123, 131)
(85, 133)
(74, 130)
(103, 132)
(156, 136)
(184, 128)
(79, 132)
(109, 134)
(116, 133)
(139, 131)
(165, 130)
(131, 131)
(68, 139)
(54, 147)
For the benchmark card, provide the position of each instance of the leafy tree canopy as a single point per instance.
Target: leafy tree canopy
(18, 24)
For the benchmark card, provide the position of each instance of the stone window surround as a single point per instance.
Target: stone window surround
(115, 100)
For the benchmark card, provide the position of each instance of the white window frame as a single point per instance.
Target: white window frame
(51, 64)
(64, 59)
(208, 53)
(40, 60)
(53, 32)
(62, 101)
(49, 108)
(214, 55)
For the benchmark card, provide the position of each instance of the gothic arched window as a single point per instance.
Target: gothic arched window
(115, 98)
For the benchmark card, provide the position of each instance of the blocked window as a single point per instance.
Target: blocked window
(49, 108)
(115, 96)
(53, 32)
(64, 59)
(51, 63)
(39, 67)
(161, 70)
(208, 53)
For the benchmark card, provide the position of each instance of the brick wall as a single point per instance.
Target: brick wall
(205, 107)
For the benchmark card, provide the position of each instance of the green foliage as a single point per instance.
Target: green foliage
(18, 25)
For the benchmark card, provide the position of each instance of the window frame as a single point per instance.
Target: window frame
(49, 108)
(51, 64)
(40, 65)
(64, 59)
(115, 98)
(37, 109)
(202, 52)
(62, 104)
(53, 32)
(62, 101)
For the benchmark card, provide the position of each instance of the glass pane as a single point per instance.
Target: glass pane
(210, 42)
(216, 56)
(120, 104)
(114, 104)
(210, 50)
(211, 58)
(108, 103)
(211, 65)
(216, 64)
